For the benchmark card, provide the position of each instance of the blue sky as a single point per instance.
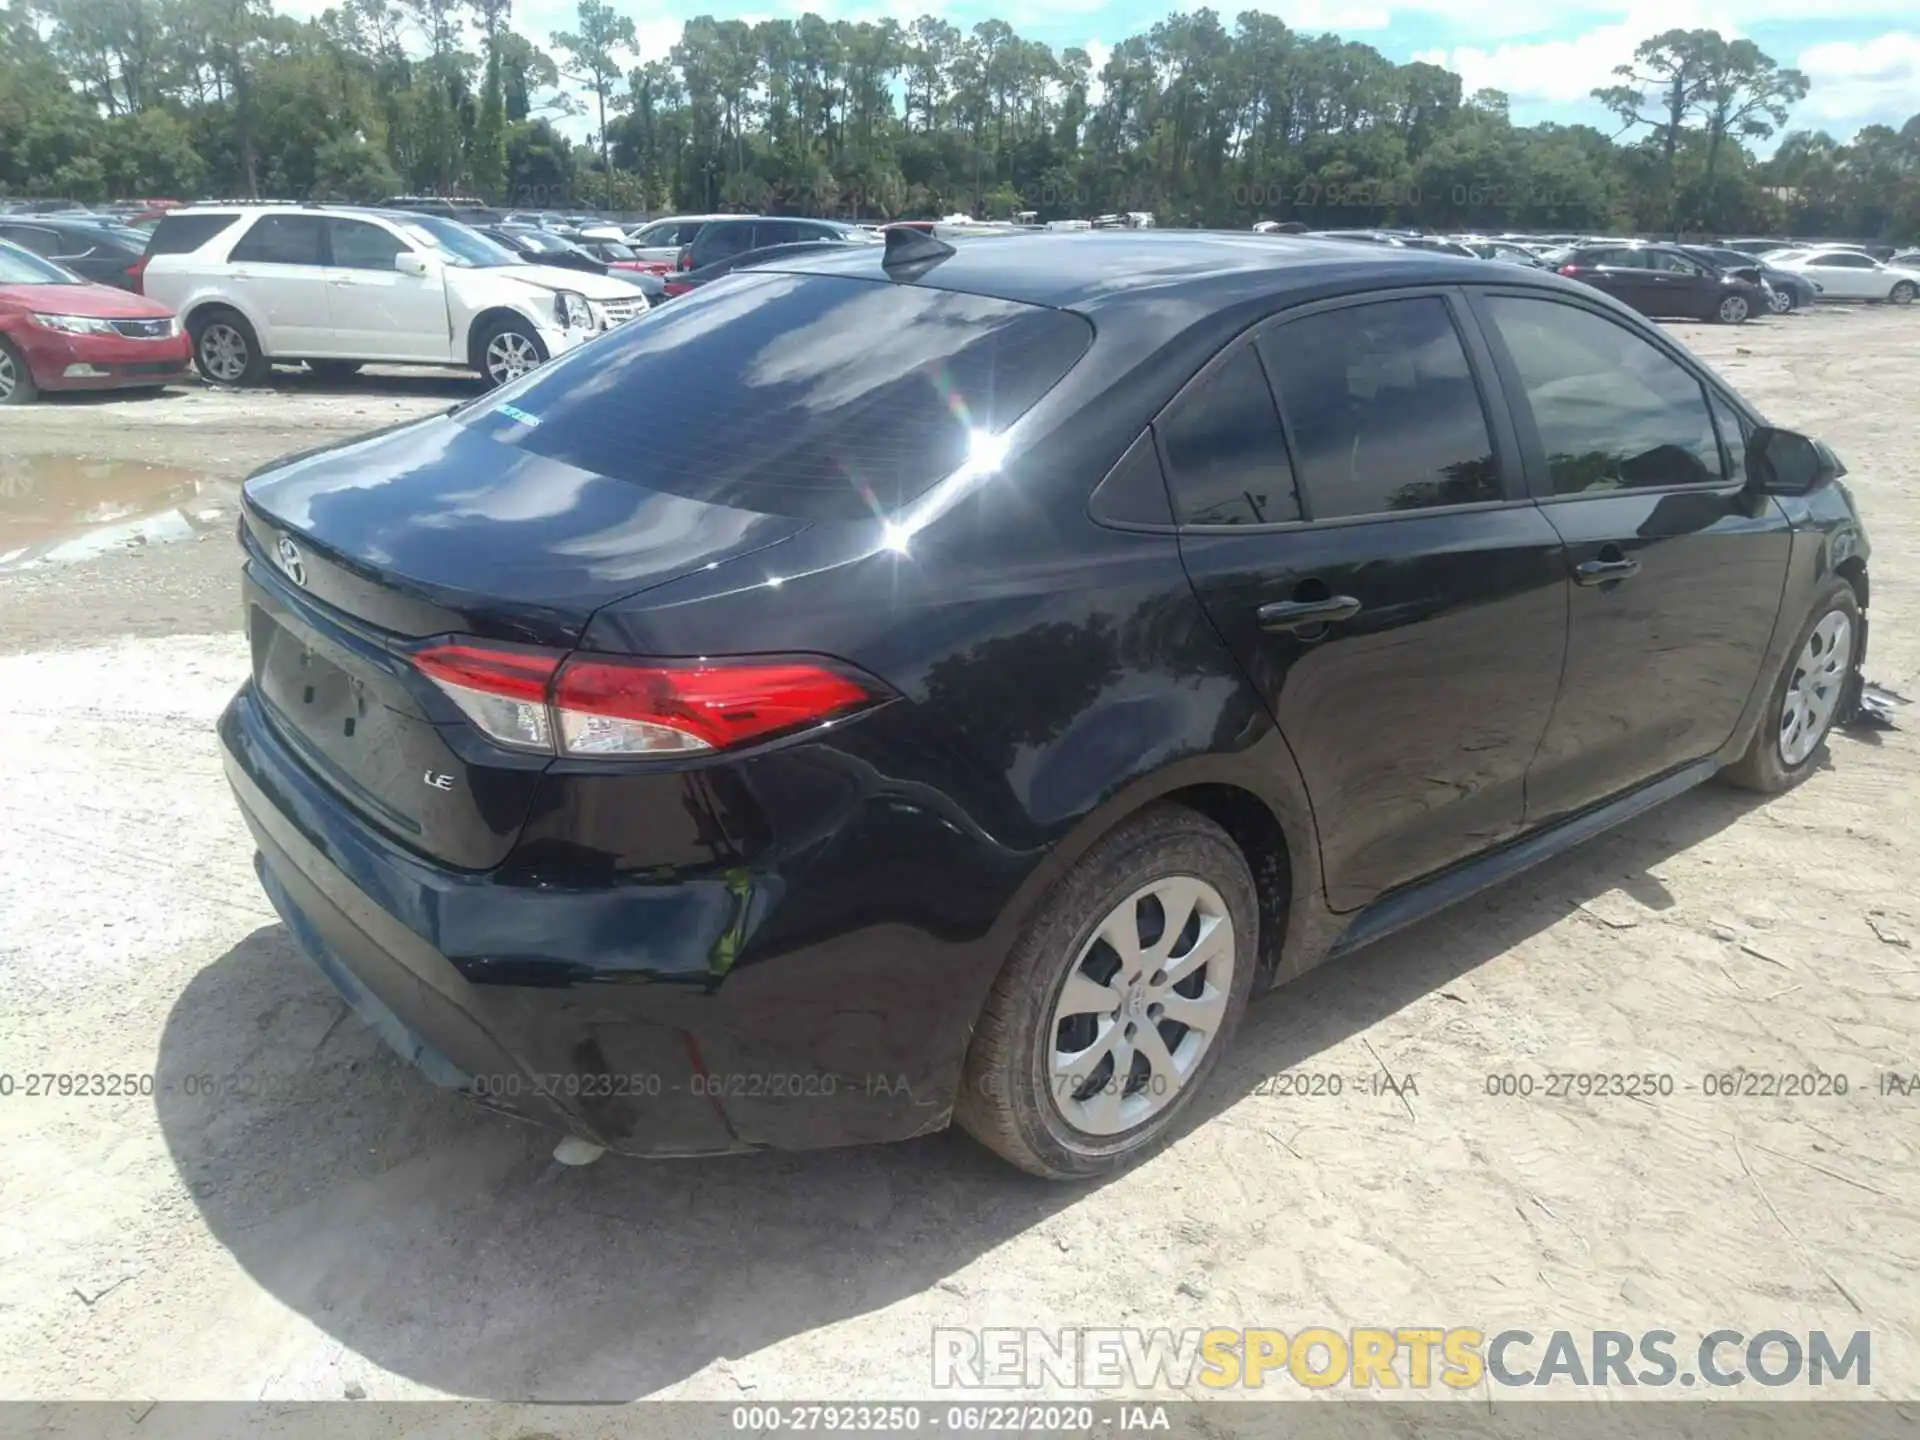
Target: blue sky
(1863, 56)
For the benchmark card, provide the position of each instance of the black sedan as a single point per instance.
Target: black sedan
(922, 683)
(97, 248)
(1664, 280)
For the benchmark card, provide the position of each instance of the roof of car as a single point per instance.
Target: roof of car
(1083, 270)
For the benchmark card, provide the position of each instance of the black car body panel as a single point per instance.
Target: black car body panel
(788, 944)
(96, 250)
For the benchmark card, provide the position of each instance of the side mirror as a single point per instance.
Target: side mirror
(1785, 462)
(412, 262)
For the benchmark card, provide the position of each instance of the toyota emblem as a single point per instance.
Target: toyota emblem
(288, 554)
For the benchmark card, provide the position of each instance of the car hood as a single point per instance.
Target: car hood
(100, 301)
(581, 282)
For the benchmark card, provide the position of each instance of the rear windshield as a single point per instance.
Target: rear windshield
(812, 396)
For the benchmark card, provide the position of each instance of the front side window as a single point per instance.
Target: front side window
(1674, 264)
(360, 246)
(1383, 409)
(280, 240)
(1614, 411)
(1226, 456)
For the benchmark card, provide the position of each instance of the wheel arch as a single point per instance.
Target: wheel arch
(201, 308)
(1264, 810)
(481, 325)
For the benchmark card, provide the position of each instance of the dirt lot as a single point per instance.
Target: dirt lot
(335, 1226)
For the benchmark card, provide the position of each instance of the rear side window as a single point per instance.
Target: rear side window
(1614, 411)
(721, 239)
(41, 242)
(1226, 458)
(178, 234)
(281, 240)
(1383, 409)
(803, 395)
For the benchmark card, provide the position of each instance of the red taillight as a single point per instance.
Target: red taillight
(541, 700)
(675, 287)
(685, 262)
(1569, 270)
(137, 272)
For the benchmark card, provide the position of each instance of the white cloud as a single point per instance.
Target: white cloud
(1313, 17)
(1566, 71)
(1855, 84)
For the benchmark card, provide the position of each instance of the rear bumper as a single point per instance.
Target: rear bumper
(602, 1011)
(102, 362)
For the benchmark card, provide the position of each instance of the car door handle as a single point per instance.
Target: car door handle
(1604, 572)
(1296, 615)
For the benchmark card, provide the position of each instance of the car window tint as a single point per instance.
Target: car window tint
(719, 241)
(41, 242)
(280, 240)
(178, 234)
(360, 246)
(778, 233)
(804, 395)
(1613, 411)
(1226, 454)
(1382, 409)
(1673, 264)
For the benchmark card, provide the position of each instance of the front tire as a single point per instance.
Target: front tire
(509, 350)
(1783, 302)
(1733, 310)
(1806, 697)
(16, 380)
(225, 349)
(1117, 1002)
(1902, 293)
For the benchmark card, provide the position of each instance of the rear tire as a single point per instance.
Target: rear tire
(225, 349)
(16, 380)
(1043, 1085)
(508, 350)
(333, 372)
(1806, 698)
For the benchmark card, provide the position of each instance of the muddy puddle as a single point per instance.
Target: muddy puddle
(56, 510)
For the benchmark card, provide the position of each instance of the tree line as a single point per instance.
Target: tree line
(1198, 121)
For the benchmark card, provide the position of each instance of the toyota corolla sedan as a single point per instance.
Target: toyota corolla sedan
(59, 332)
(932, 683)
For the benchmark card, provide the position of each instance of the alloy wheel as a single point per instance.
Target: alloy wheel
(9, 376)
(1780, 302)
(1819, 676)
(1733, 309)
(1903, 293)
(509, 356)
(1141, 1006)
(223, 351)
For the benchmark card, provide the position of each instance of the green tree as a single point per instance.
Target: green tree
(592, 61)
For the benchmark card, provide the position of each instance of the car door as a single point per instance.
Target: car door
(1678, 569)
(1679, 285)
(276, 273)
(1379, 574)
(379, 313)
(1846, 276)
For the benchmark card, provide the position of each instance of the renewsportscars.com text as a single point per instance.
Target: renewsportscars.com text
(1401, 1357)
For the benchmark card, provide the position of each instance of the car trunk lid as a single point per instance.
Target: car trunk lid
(358, 554)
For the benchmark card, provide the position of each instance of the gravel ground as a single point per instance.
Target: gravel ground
(325, 1223)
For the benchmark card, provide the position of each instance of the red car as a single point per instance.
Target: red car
(59, 332)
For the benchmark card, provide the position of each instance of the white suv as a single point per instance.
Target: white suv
(338, 288)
